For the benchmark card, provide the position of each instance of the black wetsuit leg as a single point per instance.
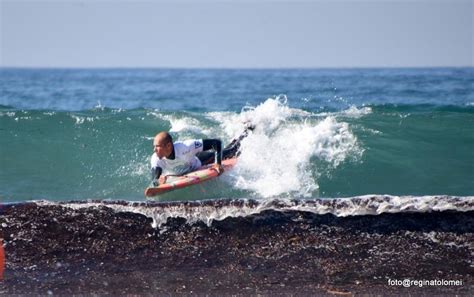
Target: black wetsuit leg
(206, 157)
(233, 149)
(230, 151)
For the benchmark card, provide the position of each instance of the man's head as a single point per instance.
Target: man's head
(163, 145)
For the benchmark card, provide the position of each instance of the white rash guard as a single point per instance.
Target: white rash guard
(185, 158)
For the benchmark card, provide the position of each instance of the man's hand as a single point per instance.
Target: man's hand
(162, 179)
(219, 168)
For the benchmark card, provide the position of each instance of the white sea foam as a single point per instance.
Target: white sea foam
(230, 123)
(116, 111)
(155, 113)
(182, 125)
(80, 120)
(275, 158)
(355, 112)
(351, 112)
(208, 211)
(99, 106)
(22, 118)
(9, 114)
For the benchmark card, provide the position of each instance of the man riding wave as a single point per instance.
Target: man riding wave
(181, 157)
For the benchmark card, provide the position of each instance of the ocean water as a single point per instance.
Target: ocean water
(87, 134)
(351, 178)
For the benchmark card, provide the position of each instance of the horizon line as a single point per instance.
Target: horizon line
(227, 68)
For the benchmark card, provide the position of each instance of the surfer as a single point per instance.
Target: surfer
(181, 157)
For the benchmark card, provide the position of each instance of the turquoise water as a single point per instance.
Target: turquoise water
(84, 133)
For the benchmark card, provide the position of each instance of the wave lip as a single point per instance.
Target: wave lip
(210, 210)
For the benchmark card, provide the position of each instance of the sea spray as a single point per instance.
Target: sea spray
(276, 157)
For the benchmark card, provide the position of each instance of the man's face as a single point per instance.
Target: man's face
(162, 148)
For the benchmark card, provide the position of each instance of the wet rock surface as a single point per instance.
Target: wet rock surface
(96, 250)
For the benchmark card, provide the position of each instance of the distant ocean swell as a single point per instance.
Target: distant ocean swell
(326, 246)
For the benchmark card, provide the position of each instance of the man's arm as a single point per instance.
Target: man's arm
(156, 173)
(216, 145)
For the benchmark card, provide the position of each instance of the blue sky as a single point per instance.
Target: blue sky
(237, 34)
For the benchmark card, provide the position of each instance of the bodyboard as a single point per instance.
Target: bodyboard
(203, 174)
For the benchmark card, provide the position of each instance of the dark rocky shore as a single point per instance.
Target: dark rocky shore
(51, 249)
